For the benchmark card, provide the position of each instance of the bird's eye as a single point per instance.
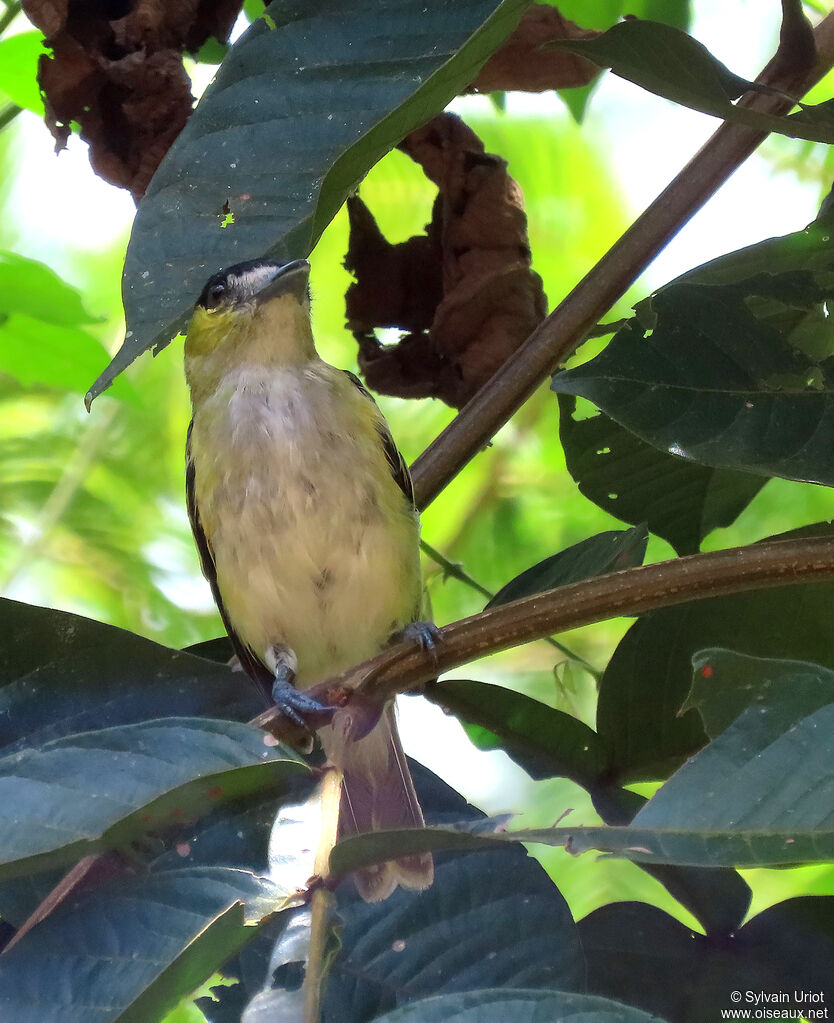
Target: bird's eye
(215, 295)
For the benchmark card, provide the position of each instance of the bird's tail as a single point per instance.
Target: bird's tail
(378, 792)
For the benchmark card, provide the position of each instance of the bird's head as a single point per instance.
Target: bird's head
(254, 312)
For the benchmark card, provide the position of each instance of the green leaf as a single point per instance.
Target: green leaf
(730, 365)
(671, 64)
(62, 674)
(31, 288)
(611, 551)
(131, 949)
(418, 944)
(34, 352)
(647, 680)
(544, 741)
(76, 795)
(19, 56)
(678, 499)
(725, 683)
(787, 948)
(500, 1005)
(297, 114)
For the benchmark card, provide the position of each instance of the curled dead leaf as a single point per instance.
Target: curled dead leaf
(122, 79)
(524, 63)
(464, 293)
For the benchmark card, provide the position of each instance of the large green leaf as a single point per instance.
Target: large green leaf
(131, 949)
(640, 955)
(647, 680)
(761, 794)
(678, 499)
(730, 365)
(419, 944)
(611, 551)
(76, 795)
(305, 103)
(716, 383)
(669, 63)
(500, 1005)
(62, 674)
(725, 683)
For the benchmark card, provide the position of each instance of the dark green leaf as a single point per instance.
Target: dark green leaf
(76, 795)
(418, 944)
(761, 794)
(725, 683)
(647, 680)
(718, 898)
(622, 474)
(640, 955)
(607, 552)
(738, 375)
(516, 1006)
(62, 674)
(544, 741)
(297, 114)
(131, 949)
(671, 64)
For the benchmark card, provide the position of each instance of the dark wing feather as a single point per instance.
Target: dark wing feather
(251, 664)
(396, 462)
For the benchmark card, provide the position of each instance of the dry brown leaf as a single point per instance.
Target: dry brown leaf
(122, 79)
(524, 63)
(464, 292)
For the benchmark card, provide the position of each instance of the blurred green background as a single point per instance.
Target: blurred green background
(93, 520)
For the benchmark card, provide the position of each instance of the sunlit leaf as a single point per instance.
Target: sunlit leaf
(19, 68)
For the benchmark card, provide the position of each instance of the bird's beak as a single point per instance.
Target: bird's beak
(289, 279)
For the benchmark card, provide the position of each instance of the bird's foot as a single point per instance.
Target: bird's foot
(425, 634)
(305, 711)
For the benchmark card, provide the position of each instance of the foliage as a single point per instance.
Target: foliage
(153, 837)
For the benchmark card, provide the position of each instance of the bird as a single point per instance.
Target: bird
(302, 509)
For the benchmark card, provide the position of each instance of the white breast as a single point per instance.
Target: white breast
(315, 546)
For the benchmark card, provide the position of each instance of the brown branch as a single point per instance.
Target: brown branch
(633, 591)
(566, 327)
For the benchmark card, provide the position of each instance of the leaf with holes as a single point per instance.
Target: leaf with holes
(622, 474)
(305, 103)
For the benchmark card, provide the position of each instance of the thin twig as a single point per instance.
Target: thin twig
(323, 900)
(8, 16)
(630, 592)
(567, 326)
(454, 570)
(8, 114)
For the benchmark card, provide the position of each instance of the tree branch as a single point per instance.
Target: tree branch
(633, 591)
(567, 326)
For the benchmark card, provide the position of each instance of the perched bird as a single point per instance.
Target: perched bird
(303, 513)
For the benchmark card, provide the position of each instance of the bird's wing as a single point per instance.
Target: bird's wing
(396, 462)
(250, 662)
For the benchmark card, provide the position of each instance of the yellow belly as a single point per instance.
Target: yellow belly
(315, 546)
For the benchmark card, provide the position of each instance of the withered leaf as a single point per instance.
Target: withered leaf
(524, 63)
(464, 292)
(121, 78)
